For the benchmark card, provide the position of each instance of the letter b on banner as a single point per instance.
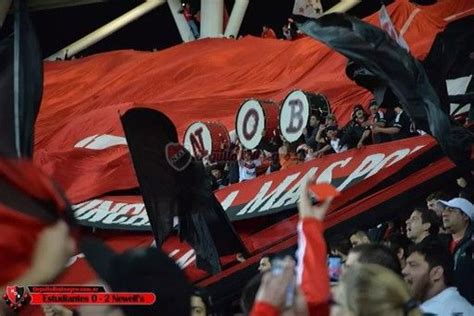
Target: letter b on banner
(294, 115)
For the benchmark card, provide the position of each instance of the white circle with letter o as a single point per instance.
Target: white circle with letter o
(250, 124)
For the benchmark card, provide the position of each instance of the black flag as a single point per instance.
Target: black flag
(449, 57)
(174, 184)
(21, 85)
(373, 49)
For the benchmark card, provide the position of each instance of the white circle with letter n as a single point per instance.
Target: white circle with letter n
(197, 140)
(294, 115)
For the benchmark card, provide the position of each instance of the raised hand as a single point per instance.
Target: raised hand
(305, 207)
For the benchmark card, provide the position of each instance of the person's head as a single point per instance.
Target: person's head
(265, 263)
(398, 108)
(373, 254)
(421, 223)
(373, 290)
(331, 132)
(331, 120)
(358, 112)
(457, 215)
(265, 28)
(373, 106)
(138, 270)
(428, 270)
(358, 238)
(301, 155)
(200, 303)
(432, 202)
(313, 121)
(216, 173)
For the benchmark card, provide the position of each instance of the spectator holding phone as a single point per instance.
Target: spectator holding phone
(311, 281)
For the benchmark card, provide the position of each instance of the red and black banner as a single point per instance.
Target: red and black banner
(269, 194)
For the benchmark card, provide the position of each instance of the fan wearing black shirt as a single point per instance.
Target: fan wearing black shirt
(377, 118)
(400, 127)
(357, 132)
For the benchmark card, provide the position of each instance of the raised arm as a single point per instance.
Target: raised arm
(319, 137)
(311, 272)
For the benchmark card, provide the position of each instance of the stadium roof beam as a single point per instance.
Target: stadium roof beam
(212, 18)
(236, 18)
(183, 27)
(106, 30)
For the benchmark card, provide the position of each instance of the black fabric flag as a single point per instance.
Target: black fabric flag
(20, 61)
(174, 184)
(373, 49)
(449, 57)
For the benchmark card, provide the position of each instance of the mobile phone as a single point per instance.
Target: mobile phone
(334, 268)
(277, 269)
(323, 191)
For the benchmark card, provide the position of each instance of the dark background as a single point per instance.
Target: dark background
(57, 28)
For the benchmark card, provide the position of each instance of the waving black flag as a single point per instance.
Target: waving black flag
(373, 49)
(174, 184)
(21, 85)
(449, 58)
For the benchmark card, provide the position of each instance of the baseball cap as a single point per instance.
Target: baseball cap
(462, 204)
(141, 270)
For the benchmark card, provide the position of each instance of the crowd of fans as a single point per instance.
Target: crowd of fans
(322, 136)
(424, 266)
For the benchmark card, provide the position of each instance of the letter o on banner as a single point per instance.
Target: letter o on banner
(205, 138)
(250, 123)
(294, 115)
